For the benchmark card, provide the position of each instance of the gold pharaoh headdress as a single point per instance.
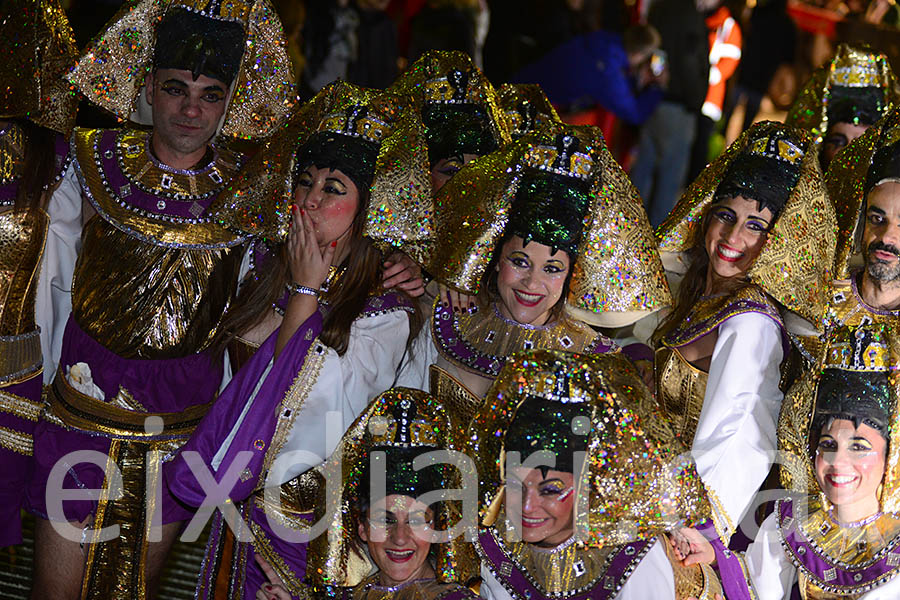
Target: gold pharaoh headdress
(794, 266)
(399, 208)
(450, 80)
(640, 479)
(851, 68)
(617, 276)
(37, 49)
(112, 71)
(869, 348)
(848, 181)
(526, 107)
(404, 420)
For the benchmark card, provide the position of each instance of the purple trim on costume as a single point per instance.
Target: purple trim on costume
(617, 573)
(292, 553)
(387, 302)
(445, 329)
(821, 570)
(117, 183)
(739, 306)
(638, 351)
(731, 573)
(258, 424)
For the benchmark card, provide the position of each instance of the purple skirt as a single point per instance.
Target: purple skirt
(157, 386)
(17, 403)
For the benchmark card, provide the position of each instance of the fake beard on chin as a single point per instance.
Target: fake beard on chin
(880, 270)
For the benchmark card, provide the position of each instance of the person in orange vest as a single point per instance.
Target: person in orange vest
(724, 58)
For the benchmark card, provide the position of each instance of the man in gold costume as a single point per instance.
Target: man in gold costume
(128, 369)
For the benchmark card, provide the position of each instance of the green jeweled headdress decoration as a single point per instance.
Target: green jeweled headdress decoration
(459, 106)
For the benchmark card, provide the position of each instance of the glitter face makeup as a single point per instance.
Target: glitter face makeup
(530, 280)
(736, 234)
(543, 503)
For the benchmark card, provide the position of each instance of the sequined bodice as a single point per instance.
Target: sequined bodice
(22, 236)
(142, 300)
(680, 389)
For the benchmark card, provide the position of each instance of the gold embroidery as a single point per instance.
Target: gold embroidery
(16, 441)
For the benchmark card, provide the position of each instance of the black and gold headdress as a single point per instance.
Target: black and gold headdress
(856, 380)
(772, 164)
(459, 106)
(560, 187)
(635, 481)
(857, 86)
(526, 107)
(375, 137)
(398, 426)
(37, 49)
(241, 42)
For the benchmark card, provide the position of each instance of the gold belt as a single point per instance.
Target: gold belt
(115, 569)
(80, 411)
(20, 356)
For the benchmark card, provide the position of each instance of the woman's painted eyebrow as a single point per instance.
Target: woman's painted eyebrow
(335, 179)
(758, 218)
(552, 480)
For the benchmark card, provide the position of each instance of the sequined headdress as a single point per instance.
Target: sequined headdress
(376, 136)
(635, 481)
(37, 48)
(459, 106)
(866, 161)
(397, 426)
(856, 380)
(617, 276)
(113, 70)
(794, 266)
(527, 107)
(857, 86)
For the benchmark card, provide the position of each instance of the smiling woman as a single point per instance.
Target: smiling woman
(548, 236)
(720, 350)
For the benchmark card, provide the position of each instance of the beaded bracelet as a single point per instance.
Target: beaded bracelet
(296, 288)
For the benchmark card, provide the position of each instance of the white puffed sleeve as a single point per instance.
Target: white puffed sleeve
(768, 567)
(653, 578)
(735, 442)
(53, 303)
(414, 373)
(490, 587)
(346, 384)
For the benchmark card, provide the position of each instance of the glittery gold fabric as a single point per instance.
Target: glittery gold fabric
(425, 81)
(22, 235)
(795, 264)
(854, 547)
(638, 480)
(215, 226)
(846, 181)
(422, 589)
(37, 47)
(680, 388)
(12, 153)
(527, 107)
(331, 557)
(617, 276)
(110, 571)
(112, 71)
(169, 311)
(851, 67)
(399, 211)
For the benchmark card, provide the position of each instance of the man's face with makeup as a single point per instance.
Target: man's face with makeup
(545, 503)
(881, 233)
(186, 113)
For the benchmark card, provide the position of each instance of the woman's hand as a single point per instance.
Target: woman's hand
(457, 301)
(691, 547)
(402, 272)
(274, 590)
(308, 263)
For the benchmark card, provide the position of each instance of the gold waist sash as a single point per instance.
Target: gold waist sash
(20, 357)
(114, 569)
(680, 388)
